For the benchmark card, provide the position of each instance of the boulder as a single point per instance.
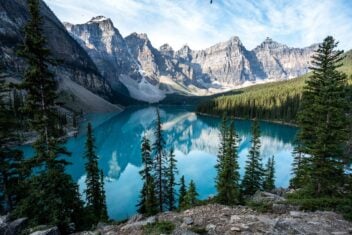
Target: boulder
(265, 197)
(50, 231)
(187, 220)
(15, 227)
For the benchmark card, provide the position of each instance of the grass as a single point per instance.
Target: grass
(162, 227)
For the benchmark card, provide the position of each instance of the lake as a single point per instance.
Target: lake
(194, 137)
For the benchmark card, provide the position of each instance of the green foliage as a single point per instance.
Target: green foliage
(95, 194)
(171, 182)
(227, 180)
(182, 203)
(277, 101)
(11, 173)
(323, 121)
(51, 196)
(160, 161)
(260, 206)
(162, 227)
(191, 196)
(338, 204)
(253, 176)
(269, 177)
(148, 202)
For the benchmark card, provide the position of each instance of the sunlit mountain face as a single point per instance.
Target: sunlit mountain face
(195, 139)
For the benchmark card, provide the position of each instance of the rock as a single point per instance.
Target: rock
(236, 229)
(295, 214)
(149, 220)
(135, 218)
(210, 227)
(244, 226)
(187, 220)
(265, 197)
(234, 218)
(16, 226)
(101, 225)
(50, 231)
(279, 208)
(339, 233)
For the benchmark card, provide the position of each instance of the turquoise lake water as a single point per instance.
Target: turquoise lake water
(195, 139)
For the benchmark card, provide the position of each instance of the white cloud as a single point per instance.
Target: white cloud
(200, 24)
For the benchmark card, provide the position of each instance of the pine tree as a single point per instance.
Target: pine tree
(160, 169)
(93, 179)
(269, 178)
(171, 182)
(52, 196)
(104, 209)
(253, 177)
(148, 202)
(227, 182)
(323, 121)
(191, 197)
(300, 168)
(11, 175)
(182, 195)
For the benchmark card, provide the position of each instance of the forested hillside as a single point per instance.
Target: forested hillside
(272, 101)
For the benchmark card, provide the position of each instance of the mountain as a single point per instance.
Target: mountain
(81, 84)
(151, 74)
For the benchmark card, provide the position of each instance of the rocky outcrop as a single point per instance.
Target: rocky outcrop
(8, 227)
(74, 63)
(217, 219)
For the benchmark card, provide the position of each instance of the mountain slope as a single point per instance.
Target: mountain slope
(152, 74)
(75, 64)
(272, 101)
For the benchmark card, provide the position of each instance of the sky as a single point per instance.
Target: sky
(199, 24)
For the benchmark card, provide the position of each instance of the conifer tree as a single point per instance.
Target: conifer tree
(148, 201)
(52, 196)
(192, 194)
(104, 209)
(171, 182)
(160, 161)
(11, 175)
(93, 179)
(323, 120)
(300, 169)
(182, 195)
(269, 178)
(227, 182)
(253, 176)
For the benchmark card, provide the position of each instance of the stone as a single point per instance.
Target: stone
(236, 229)
(187, 220)
(234, 218)
(279, 208)
(50, 231)
(295, 214)
(149, 220)
(135, 218)
(16, 226)
(265, 197)
(210, 227)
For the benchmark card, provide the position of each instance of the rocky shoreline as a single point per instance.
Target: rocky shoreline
(216, 219)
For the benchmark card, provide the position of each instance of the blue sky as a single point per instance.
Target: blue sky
(197, 23)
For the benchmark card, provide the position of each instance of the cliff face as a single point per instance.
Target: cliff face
(150, 74)
(75, 64)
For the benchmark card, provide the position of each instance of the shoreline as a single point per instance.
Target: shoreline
(240, 118)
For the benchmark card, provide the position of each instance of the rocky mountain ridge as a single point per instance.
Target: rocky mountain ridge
(81, 83)
(149, 74)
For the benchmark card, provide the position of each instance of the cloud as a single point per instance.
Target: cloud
(199, 24)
